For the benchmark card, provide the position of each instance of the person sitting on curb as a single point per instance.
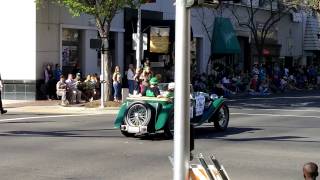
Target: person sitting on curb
(73, 89)
(310, 171)
(62, 90)
(152, 90)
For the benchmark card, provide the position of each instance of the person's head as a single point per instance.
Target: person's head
(147, 62)
(130, 66)
(117, 69)
(62, 78)
(153, 82)
(88, 77)
(70, 76)
(57, 66)
(171, 86)
(48, 66)
(147, 69)
(310, 171)
(159, 77)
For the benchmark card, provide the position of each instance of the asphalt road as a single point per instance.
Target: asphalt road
(268, 138)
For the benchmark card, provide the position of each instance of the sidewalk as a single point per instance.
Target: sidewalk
(53, 107)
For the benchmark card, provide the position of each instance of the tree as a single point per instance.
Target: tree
(103, 11)
(274, 10)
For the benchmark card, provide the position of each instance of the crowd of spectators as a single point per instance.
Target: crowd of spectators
(70, 90)
(226, 81)
(261, 80)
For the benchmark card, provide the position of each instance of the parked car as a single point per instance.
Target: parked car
(145, 115)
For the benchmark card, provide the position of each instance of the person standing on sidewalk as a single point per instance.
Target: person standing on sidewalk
(48, 81)
(116, 77)
(1, 107)
(130, 77)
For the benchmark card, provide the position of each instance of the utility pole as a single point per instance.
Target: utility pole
(139, 40)
(182, 102)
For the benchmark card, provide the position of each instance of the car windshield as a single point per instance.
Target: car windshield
(164, 87)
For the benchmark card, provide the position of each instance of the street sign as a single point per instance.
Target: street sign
(135, 40)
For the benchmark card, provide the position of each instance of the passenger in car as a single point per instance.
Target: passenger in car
(170, 92)
(152, 90)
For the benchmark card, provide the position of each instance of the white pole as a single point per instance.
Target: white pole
(139, 38)
(103, 72)
(182, 102)
(102, 79)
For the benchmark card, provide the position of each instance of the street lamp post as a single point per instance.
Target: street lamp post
(104, 48)
(139, 39)
(182, 102)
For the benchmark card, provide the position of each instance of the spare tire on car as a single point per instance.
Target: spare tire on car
(138, 114)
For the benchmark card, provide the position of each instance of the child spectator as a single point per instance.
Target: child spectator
(310, 171)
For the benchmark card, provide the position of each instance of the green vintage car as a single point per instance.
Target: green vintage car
(145, 115)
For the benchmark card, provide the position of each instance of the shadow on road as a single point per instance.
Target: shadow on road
(205, 133)
(212, 133)
(282, 101)
(273, 138)
(68, 133)
(200, 133)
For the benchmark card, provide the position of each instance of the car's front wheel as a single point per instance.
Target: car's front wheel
(221, 119)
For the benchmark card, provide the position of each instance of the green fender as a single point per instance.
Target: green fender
(163, 116)
(215, 105)
(121, 115)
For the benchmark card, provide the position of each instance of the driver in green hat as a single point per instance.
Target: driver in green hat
(152, 90)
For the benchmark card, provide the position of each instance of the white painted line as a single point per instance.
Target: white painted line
(292, 110)
(257, 98)
(275, 115)
(46, 117)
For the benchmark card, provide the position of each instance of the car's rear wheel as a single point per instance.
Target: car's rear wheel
(169, 128)
(221, 119)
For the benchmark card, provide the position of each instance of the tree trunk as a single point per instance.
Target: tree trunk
(108, 75)
(106, 62)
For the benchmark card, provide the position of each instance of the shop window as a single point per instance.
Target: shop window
(70, 49)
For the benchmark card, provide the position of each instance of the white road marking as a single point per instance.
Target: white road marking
(276, 115)
(292, 110)
(257, 98)
(46, 117)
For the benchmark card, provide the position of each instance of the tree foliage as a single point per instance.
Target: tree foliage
(103, 11)
(274, 11)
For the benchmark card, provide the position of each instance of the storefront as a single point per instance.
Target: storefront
(159, 42)
(225, 45)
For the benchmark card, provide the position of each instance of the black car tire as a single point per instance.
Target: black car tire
(169, 127)
(221, 118)
(148, 112)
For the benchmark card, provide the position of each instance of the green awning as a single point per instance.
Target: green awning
(224, 38)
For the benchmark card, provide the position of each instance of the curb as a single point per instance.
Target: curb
(62, 110)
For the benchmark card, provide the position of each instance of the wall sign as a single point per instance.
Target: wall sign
(159, 39)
